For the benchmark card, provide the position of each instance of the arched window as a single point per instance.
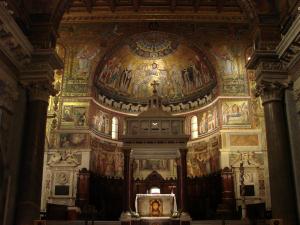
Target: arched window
(115, 123)
(194, 127)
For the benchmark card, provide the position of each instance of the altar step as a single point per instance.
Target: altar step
(195, 222)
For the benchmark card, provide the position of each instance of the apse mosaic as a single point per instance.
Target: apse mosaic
(116, 64)
(235, 113)
(130, 71)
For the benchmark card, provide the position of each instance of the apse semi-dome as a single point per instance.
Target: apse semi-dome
(126, 74)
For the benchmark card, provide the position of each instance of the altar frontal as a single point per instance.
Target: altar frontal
(155, 205)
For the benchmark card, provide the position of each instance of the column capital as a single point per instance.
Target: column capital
(132, 161)
(178, 162)
(270, 90)
(7, 95)
(40, 90)
(126, 151)
(183, 151)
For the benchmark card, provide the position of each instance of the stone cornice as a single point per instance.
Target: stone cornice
(7, 95)
(270, 70)
(12, 40)
(289, 48)
(42, 66)
(259, 55)
(231, 17)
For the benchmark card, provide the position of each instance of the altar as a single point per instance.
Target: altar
(155, 205)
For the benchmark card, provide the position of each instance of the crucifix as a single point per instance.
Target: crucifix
(154, 84)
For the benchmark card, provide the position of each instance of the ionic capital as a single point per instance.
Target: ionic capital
(40, 90)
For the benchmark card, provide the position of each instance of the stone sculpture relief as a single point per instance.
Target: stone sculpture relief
(249, 158)
(65, 158)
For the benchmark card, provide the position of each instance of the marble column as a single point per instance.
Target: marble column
(127, 178)
(30, 183)
(183, 180)
(178, 167)
(131, 203)
(281, 181)
(7, 98)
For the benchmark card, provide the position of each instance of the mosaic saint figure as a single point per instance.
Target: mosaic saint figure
(142, 80)
(107, 71)
(177, 81)
(226, 59)
(195, 74)
(84, 57)
(204, 70)
(163, 87)
(125, 78)
(225, 114)
(185, 73)
(203, 124)
(154, 72)
(112, 82)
